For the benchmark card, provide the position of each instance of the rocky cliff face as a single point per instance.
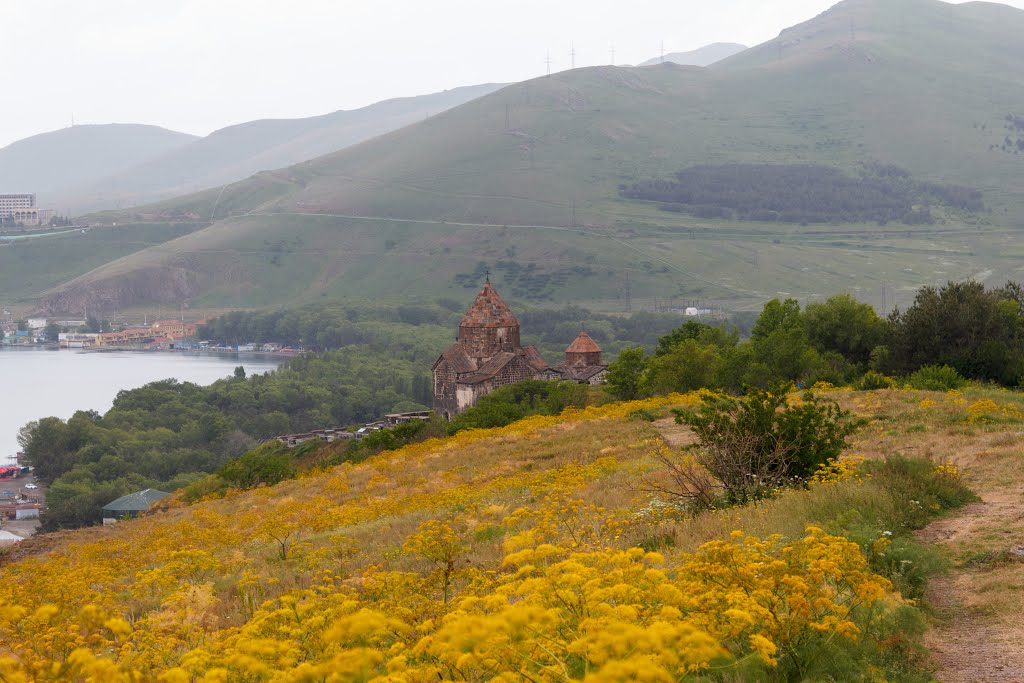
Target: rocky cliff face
(173, 283)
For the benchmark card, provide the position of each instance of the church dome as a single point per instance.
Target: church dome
(489, 310)
(583, 344)
(583, 351)
(489, 327)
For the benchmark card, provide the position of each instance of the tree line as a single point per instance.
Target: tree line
(804, 194)
(326, 327)
(962, 330)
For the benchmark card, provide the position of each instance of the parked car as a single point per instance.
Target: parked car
(31, 486)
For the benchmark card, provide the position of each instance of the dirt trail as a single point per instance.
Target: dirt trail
(978, 636)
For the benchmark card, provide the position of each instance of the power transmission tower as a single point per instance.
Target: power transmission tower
(663, 52)
(629, 295)
(547, 61)
(613, 54)
(572, 55)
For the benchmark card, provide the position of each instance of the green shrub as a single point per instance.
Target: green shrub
(872, 381)
(936, 378)
(508, 404)
(269, 464)
(755, 444)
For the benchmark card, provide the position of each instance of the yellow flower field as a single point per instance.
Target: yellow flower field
(531, 552)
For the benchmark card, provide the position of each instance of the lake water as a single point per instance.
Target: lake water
(37, 383)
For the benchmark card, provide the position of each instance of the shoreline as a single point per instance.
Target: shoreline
(210, 351)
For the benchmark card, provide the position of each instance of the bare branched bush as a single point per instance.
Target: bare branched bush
(734, 469)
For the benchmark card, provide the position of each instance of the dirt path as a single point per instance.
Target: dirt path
(978, 634)
(977, 629)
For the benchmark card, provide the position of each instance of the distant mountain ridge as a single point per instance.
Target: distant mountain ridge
(48, 162)
(236, 152)
(704, 56)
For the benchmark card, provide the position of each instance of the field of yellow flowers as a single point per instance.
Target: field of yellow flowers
(533, 552)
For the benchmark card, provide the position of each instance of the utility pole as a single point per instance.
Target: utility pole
(572, 55)
(613, 53)
(629, 295)
(547, 61)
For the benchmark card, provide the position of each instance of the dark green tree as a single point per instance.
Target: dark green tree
(962, 325)
(626, 374)
(779, 341)
(846, 326)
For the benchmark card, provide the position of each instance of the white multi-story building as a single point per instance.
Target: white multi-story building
(21, 209)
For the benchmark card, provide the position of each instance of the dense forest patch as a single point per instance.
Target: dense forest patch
(804, 194)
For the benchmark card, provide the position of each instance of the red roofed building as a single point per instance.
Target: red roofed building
(582, 361)
(488, 354)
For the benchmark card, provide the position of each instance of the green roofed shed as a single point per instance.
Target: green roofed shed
(132, 504)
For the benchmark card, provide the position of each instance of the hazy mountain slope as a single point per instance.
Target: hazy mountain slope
(236, 152)
(549, 155)
(703, 56)
(48, 162)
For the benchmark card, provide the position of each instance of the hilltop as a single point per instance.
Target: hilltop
(528, 181)
(236, 152)
(702, 56)
(49, 162)
(546, 550)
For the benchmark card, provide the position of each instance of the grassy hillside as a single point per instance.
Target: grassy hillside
(49, 162)
(28, 266)
(236, 152)
(533, 173)
(538, 550)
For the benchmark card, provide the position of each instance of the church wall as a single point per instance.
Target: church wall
(516, 371)
(485, 342)
(588, 358)
(445, 400)
(468, 394)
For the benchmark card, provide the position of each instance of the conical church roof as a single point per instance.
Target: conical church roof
(583, 344)
(489, 310)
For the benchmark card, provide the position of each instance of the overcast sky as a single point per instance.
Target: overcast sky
(199, 65)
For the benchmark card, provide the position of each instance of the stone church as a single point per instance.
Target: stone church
(488, 354)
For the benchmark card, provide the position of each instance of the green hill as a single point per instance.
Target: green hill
(48, 162)
(528, 181)
(236, 152)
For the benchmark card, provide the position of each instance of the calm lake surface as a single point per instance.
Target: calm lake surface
(36, 383)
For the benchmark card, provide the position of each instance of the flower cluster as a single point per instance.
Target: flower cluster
(839, 469)
(986, 410)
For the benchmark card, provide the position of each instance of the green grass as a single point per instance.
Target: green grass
(28, 267)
